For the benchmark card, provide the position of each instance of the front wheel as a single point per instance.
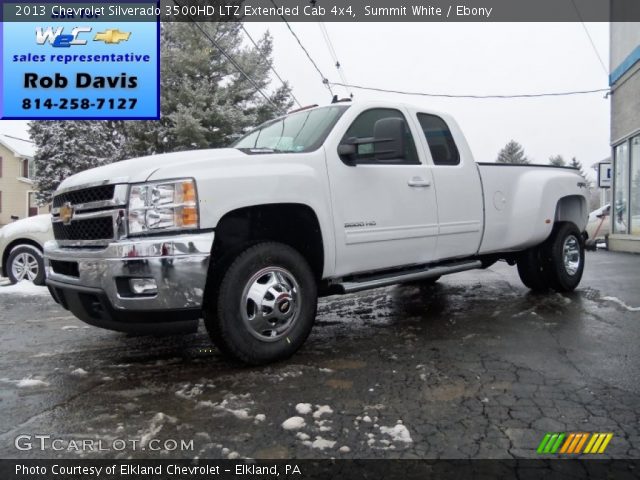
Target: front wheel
(565, 250)
(265, 305)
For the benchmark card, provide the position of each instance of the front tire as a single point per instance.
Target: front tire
(25, 262)
(265, 305)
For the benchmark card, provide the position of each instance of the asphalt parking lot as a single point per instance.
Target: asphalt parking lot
(473, 367)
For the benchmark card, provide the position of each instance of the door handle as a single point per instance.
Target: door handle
(418, 182)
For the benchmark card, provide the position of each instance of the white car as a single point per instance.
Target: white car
(21, 246)
(598, 224)
(323, 201)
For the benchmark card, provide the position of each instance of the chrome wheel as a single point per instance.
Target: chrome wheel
(25, 267)
(571, 254)
(270, 303)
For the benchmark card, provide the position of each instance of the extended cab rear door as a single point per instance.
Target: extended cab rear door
(384, 209)
(456, 183)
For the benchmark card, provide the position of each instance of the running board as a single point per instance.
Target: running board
(365, 284)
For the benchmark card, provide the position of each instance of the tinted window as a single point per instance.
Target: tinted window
(363, 126)
(443, 148)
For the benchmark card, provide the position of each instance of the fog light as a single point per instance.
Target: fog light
(143, 286)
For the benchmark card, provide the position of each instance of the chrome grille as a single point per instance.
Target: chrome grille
(86, 195)
(90, 216)
(90, 229)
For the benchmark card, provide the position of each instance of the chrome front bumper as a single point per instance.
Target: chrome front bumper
(93, 283)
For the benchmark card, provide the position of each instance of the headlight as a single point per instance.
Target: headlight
(167, 205)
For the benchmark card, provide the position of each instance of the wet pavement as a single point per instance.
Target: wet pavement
(473, 367)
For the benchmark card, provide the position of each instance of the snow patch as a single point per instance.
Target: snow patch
(188, 392)
(321, 410)
(70, 327)
(31, 382)
(321, 443)
(344, 449)
(25, 288)
(79, 372)
(302, 436)
(303, 408)
(261, 417)
(293, 423)
(157, 423)
(398, 433)
(621, 303)
(236, 405)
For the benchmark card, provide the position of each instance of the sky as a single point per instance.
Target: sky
(462, 58)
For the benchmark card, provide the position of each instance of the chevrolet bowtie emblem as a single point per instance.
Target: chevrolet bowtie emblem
(112, 35)
(66, 213)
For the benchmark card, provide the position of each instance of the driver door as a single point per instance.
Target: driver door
(384, 203)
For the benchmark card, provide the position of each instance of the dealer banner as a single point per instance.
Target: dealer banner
(77, 61)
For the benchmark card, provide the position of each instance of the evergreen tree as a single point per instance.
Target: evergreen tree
(68, 147)
(557, 161)
(205, 101)
(512, 153)
(578, 165)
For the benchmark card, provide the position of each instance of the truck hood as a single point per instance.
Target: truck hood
(141, 169)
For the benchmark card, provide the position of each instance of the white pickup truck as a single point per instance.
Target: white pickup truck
(323, 201)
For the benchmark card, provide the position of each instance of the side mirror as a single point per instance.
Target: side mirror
(388, 139)
(348, 152)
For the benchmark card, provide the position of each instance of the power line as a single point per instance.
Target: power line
(17, 138)
(447, 95)
(334, 55)
(593, 45)
(255, 44)
(233, 62)
(325, 81)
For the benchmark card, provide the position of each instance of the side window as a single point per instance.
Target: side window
(362, 129)
(441, 144)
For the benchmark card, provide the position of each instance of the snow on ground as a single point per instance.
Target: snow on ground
(621, 303)
(293, 423)
(79, 372)
(322, 443)
(236, 405)
(321, 410)
(157, 422)
(24, 288)
(26, 382)
(398, 433)
(303, 408)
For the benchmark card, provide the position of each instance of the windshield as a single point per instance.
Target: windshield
(299, 132)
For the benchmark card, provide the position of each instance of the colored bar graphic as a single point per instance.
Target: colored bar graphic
(543, 443)
(573, 443)
(565, 447)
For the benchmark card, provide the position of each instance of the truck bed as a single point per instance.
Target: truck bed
(520, 203)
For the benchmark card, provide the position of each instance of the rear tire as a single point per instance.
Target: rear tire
(565, 250)
(265, 306)
(532, 269)
(25, 262)
(556, 264)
